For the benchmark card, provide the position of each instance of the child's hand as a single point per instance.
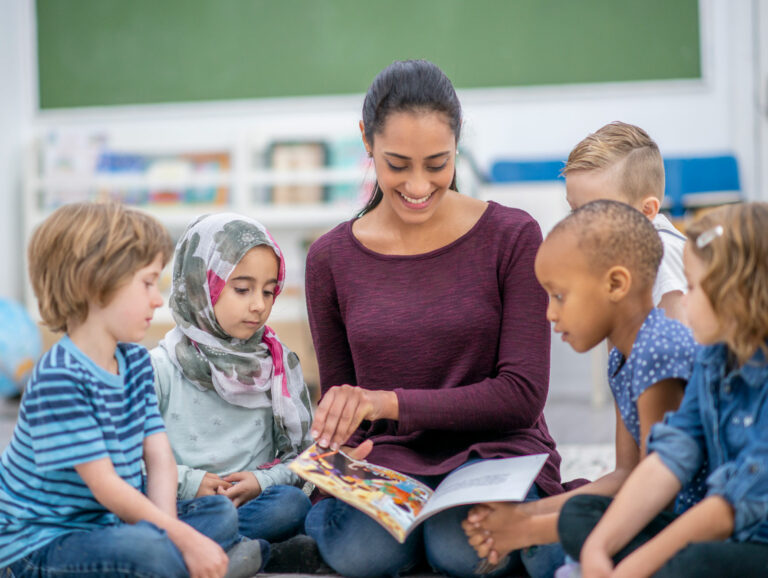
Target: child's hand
(497, 528)
(243, 487)
(595, 562)
(211, 484)
(203, 557)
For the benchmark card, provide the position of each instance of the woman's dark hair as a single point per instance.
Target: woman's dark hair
(408, 86)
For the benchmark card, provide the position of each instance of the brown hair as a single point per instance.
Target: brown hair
(611, 233)
(641, 170)
(84, 252)
(736, 278)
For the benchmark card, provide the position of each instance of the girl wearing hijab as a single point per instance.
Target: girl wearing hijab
(232, 395)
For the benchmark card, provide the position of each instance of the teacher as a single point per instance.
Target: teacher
(429, 327)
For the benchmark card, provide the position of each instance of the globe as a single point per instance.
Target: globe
(20, 347)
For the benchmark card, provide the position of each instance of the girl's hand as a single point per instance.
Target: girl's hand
(243, 487)
(210, 485)
(344, 407)
(203, 557)
(595, 562)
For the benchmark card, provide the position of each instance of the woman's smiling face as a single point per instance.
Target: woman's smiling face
(414, 155)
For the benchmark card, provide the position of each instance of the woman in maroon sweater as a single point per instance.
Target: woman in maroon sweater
(429, 327)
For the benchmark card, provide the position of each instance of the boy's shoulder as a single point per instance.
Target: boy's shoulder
(133, 352)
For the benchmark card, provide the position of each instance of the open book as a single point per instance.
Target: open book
(400, 503)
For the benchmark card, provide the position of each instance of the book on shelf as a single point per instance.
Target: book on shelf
(399, 502)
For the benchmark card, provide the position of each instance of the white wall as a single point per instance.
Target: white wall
(12, 124)
(713, 115)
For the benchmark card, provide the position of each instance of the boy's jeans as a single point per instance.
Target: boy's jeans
(140, 550)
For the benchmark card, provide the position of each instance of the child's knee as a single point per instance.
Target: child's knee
(147, 549)
(294, 503)
(213, 516)
(577, 519)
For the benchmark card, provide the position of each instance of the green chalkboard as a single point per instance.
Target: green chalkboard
(114, 52)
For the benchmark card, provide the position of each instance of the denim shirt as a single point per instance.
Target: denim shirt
(723, 417)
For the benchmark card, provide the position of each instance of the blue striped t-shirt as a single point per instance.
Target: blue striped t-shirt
(72, 412)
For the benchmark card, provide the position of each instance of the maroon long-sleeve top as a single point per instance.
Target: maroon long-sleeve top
(459, 334)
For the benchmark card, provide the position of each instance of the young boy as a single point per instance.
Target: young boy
(621, 162)
(598, 266)
(73, 499)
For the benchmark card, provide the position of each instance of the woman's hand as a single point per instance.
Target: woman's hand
(243, 488)
(344, 407)
(211, 484)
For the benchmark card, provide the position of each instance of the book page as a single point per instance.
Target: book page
(393, 499)
(501, 480)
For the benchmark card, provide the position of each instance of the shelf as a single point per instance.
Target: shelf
(176, 187)
(264, 178)
(271, 216)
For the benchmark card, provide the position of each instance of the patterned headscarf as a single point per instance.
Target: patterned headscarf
(258, 372)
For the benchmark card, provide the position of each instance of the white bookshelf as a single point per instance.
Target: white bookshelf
(294, 226)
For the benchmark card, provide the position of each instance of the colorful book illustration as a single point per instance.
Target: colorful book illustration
(400, 503)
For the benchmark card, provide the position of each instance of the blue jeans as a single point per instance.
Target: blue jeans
(275, 515)
(355, 545)
(130, 550)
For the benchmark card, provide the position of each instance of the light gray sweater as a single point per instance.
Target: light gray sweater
(208, 434)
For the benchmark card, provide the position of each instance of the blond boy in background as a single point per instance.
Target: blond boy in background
(621, 162)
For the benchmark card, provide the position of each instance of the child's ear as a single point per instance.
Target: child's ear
(619, 282)
(365, 140)
(650, 206)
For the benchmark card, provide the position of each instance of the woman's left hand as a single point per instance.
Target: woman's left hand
(244, 488)
(344, 407)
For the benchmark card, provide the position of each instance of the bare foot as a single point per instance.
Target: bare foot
(497, 528)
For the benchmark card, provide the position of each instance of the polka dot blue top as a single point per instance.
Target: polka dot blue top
(664, 349)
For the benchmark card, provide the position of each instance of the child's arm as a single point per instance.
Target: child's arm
(161, 473)
(710, 519)
(658, 399)
(627, 514)
(202, 556)
(497, 528)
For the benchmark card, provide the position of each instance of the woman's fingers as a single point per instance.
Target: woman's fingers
(338, 415)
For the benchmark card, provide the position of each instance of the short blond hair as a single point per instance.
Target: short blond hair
(84, 252)
(642, 173)
(736, 277)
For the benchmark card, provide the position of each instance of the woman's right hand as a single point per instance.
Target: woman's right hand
(344, 407)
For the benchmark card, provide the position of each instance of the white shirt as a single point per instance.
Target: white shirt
(670, 276)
